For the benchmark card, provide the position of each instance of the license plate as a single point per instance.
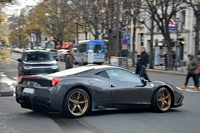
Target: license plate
(28, 90)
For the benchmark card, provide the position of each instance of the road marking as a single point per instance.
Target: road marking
(14, 60)
(188, 90)
(10, 82)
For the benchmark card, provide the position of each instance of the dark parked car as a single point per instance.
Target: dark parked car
(53, 53)
(76, 91)
(37, 62)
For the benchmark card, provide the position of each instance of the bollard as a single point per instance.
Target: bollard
(90, 57)
(0, 84)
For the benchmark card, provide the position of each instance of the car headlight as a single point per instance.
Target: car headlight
(27, 67)
(54, 67)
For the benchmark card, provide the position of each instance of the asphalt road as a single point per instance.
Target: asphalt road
(186, 119)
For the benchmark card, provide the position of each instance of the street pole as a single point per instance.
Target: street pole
(77, 33)
(117, 30)
(177, 43)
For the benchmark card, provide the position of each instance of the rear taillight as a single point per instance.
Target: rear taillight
(20, 79)
(86, 55)
(31, 76)
(55, 81)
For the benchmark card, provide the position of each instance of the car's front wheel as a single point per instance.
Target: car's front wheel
(76, 103)
(162, 100)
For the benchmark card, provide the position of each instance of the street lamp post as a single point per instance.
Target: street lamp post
(117, 30)
(19, 35)
(177, 42)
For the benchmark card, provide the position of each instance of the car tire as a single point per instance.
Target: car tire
(82, 62)
(162, 100)
(76, 103)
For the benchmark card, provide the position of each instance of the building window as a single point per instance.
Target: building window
(156, 40)
(157, 29)
(142, 39)
(183, 17)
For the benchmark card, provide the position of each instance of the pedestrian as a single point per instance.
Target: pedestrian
(174, 59)
(198, 70)
(192, 66)
(137, 70)
(69, 59)
(144, 61)
(166, 62)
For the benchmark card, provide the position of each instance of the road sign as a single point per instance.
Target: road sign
(124, 46)
(128, 37)
(124, 41)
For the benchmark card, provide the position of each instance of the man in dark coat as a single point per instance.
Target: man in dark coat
(144, 61)
(137, 70)
(69, 61)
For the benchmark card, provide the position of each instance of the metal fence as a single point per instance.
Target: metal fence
(119, 61)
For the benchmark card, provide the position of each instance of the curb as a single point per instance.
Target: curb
(159, 71)
(167, 72)
(6, 94)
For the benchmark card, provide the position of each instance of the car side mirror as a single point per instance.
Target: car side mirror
(144, 82)
(57, 59)
(19, 60)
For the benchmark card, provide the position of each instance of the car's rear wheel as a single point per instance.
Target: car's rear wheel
(76, 103)
(162, 100)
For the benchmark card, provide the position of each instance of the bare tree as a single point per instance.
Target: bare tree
(195, 4)
(164, 11)
(133, 9)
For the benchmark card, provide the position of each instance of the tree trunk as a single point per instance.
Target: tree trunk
(86, 34)
(151, 64)
(61, 42)
(169, 50)
(55, 43)
(197, 33)
(133, 37)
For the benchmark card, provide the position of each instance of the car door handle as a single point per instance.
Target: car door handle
(112, 85)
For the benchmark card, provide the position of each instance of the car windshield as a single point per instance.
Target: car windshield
(97, 48)
(53, 51)
(38, 57)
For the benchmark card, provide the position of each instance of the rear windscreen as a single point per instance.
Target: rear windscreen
(38, 57)
(97, 48)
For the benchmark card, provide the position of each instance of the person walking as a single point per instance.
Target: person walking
(166, 61)
(137, 70)
(144, 61)
(198, 70)
(69, 59)
(192, 66)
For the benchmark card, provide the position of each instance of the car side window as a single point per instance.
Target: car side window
(102, 74)
(122, 75)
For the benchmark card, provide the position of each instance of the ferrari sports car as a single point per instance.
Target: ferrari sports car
(76, 91)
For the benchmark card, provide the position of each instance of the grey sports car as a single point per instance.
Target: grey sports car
(76, 91)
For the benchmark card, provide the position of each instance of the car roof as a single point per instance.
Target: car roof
(36, 51)
(78, 70)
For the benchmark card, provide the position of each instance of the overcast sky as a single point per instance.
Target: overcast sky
(15, 9)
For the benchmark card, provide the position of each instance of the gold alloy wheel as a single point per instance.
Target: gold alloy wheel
(164, 100)
(78, 103)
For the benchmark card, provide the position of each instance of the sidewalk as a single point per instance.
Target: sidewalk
(6, 86)
(161, 69)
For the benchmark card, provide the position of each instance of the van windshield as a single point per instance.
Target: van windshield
(97, 48)
(82, 47)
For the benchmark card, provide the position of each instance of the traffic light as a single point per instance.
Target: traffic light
(5, 1)
(113, 33)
